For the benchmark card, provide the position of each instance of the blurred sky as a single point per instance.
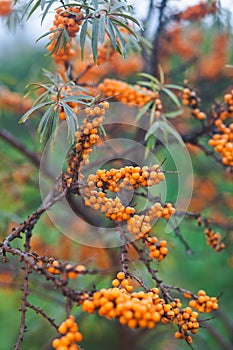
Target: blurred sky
(32, 29)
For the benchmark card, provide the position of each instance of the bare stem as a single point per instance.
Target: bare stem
(42, 313)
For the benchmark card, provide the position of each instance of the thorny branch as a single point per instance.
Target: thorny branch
(38, 310)
(28, 225)
(25, 291)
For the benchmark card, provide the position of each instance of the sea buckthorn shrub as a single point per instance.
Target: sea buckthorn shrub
(147, 286)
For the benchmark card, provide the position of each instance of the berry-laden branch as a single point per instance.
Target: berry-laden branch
(120, 301)
(136, 302)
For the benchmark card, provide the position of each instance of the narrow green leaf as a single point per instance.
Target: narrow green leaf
(121, 24)
(102, 27)
(72, 121)
(67, 37)
(120, 5)
(27, 8)
(111, 33)
(45, 86)
(32, 110)
(41, 98)
(44, 121)
(94, 38)
(173, 114)
(150, 77)
(54, 124)
(77, 98)
(153, 129)
(172, 131)
(127, 17)
(162, 127)
(150, 145)
(42, 4)
(172, 96)
(47, 33)
(102, 130)
(83, 34)
(143, 110)
(50, 3)
(174, 86)
(152, 114)
(161, 74)
(122, 42)
(95, 4)
(37, 4)
(118, 49)
(58, 44)
(144, 83)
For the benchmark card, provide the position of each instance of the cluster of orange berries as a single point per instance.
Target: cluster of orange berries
(228, 98)
(195, 12)
(158, 250)
(204, 303)
(70, 20)
(14, 101)
(214, 239)
(146, 309)
(157, 210)
(135, 310)
(125, 93)
(116, 180)
(191, 100)
(5, 7)
(187, 321)
(223, 142)
(122, 282)
(70, 335)
(112, 207)
(86, 137)
(56, 268)
(128, 177)
(139, 225)
(141, 309)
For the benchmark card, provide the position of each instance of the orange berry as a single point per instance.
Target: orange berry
(121, 275)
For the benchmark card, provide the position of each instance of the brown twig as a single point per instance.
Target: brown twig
(13, 141)
(25, 292)
(53, 197)
(124, 252)
(42, 313)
